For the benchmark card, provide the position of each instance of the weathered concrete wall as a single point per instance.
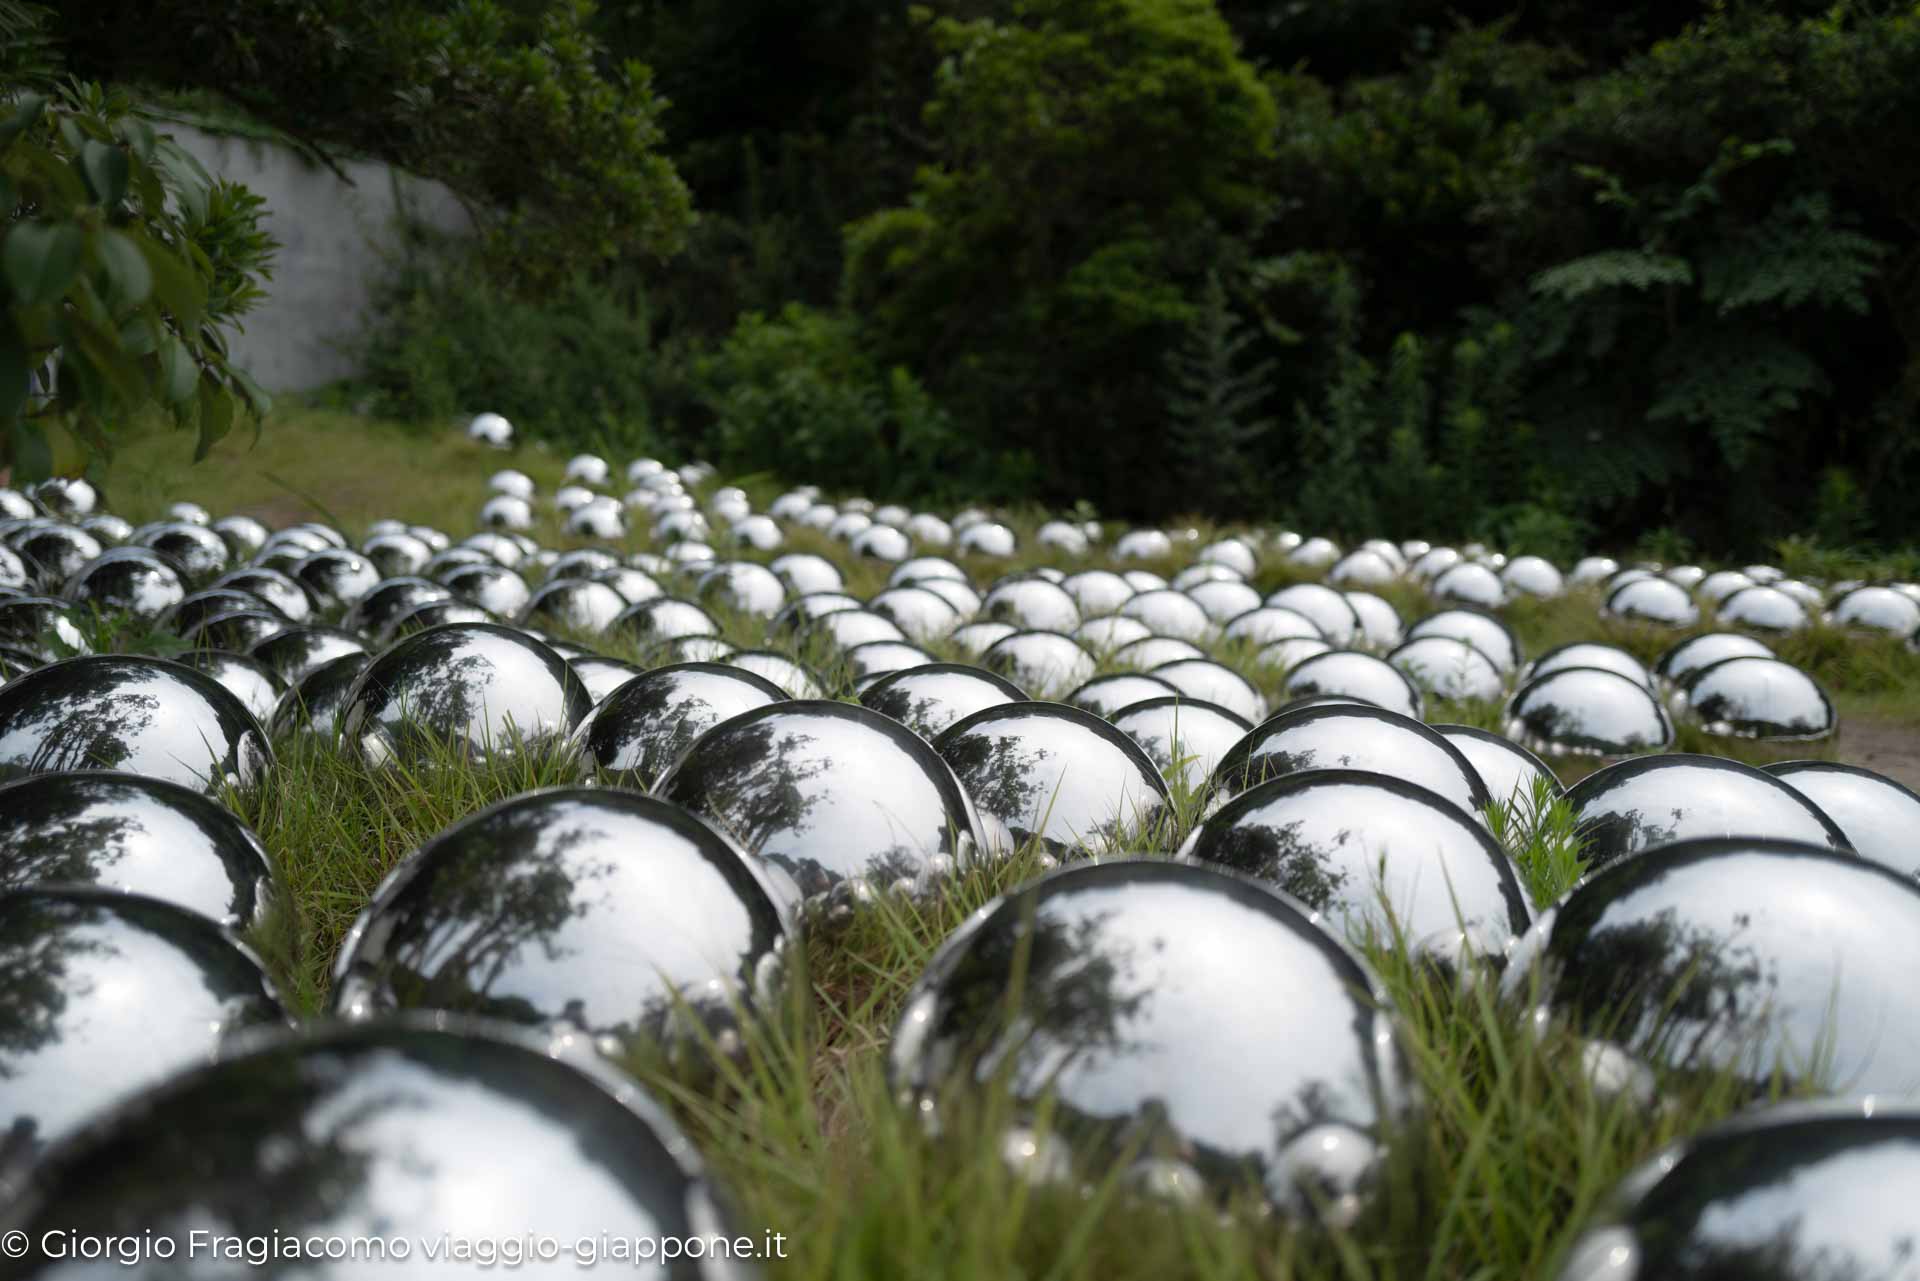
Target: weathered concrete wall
(332, 234)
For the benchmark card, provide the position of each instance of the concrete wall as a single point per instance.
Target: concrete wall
(331, 235)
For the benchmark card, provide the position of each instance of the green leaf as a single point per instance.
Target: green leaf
(216, 418)
(32, 457)
(1636, 269)
(22, 117)
(129, 278)
(177, 286)
(41, 260)
(256, 396)
(178, 374)
(106, 168)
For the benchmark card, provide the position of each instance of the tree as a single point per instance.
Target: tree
(1089, 158)
(121, 267)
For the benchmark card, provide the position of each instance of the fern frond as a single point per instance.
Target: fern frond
(1612, 269)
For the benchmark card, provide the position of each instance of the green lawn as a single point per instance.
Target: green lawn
(1510, 1155)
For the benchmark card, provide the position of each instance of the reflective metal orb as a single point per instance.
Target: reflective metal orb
(1743, 955)
(1056, 774)
(1696, 652)
(598, 911)
(791, 677)
(987, 538)
(1349, 672)
(133, 715)
(1762, 609)
(1590, 654)
(1045, 662)
(1184, 737)
(247, 679)
(977, 638)
(1470, 585)
(1819, 1191)
(1111, 633)
(108, 993)
(138, 836)
(198, 552)
(929, 698)
(55, 551)
(1105, 695)
(1352, 736)
(1532, 576)
(601, 675)
(1097, 591)
(577, 603)
(391, 600)
(1587, 711)
(845, 800)
(1508, 769)
(1152, 651)
(1482, 631)
(1877, 609)
(1652, 600)
(295, 653)
(1357, 845)
(498, 590)
(485, 690)
(867, 663)
(1267, 624)
(439, 1132)
(238, 631)
(1330, 611)
(653, 623)
(1031, 604)
(921, 614)
(1878, 815)
(314, 703)
(1224, 601)
(1756, 698)
(1380, 624)
(1144, 999)
(743, 587)
(1648, 801)
(1449, 669)
(1211, 682)
(1170, 613)
(336, 578)
(286, 596)
(397, 555)
(43, 627)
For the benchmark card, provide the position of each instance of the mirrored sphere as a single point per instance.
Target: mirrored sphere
(1717, 586)
(484, 690)
(1314, 553)
(1031, 604)
(1740, 954)
(1330, 611)
(1151, 651)
(1484, 632)
(987, 538)
(1762, 609)
(397, 555)
(109, 993)
(1166, 1009)
(791, 677)
(833, 794)
(112, 530)
(653, 623)
(743, 587)
(916, 570)
(1352, 736)
(1380, 623)
(1508, 769)
(1449, 669)
(1649, 801)
(1170, 613)
(1434, 562)
(929, 698)
(1590, 654)
(1111, 633)
(1224, 601)
(693, 649)
(977, 638)
(313, 704)
(921, 614)
(601, 675)
(1143, 544)
(1349, 672)
(1211, 682)
(285, 595)
(238, 630)
(1355, 844)
(247, 679)
(1653, 600)
(1045, 662)
(207, 603)
(1470, 585)
(391, 600)
(196, 551)
(43, 627)
(296, 652)
(1877, 609)
(336, 578)
(494, 588)
(1815, 1191)
(864, 664)
(1105, 695)
(138, 836)
(1272, 623)
(133, 715)
(1097, 591)
(55, 551)
(1756, 698)
(595, 910)
(424, 1131)
(1056, 774)
(1184, 737)
(1878, 815)
(842, 629)
(1696, 652)
(576, 603)
(1363, 568)
(1587, 711)
(1532, 576)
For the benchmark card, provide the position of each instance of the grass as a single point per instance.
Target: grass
(1511, 1153)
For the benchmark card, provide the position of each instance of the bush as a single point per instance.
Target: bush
(575, 367)
(800, 392)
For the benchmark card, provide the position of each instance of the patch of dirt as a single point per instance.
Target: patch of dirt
(1884, 746)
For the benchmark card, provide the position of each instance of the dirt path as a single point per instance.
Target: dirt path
(1890, 748)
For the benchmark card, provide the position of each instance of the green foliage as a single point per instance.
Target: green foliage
(122, 267)
(575, 366)
(802, 387)
(514, 105)
(1212, 408)
(1086, 158)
